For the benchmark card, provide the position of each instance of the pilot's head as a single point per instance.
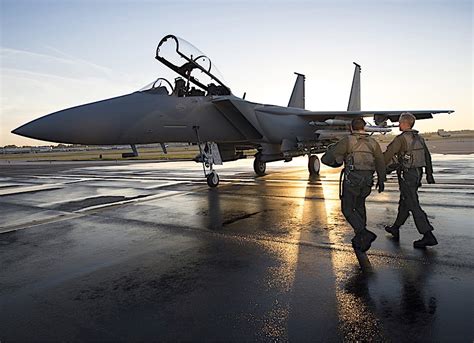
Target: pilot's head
(358, 124)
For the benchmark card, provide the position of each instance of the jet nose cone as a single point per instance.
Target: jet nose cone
(18, 131)
(109, 121)
(55, 127)
(34, 129)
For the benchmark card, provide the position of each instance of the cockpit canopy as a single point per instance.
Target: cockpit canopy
(197, 75)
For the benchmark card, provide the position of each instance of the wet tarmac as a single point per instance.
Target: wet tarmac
(146, 251)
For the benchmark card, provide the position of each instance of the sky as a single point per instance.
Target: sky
(56, 54)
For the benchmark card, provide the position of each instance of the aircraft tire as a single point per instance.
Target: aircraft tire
(212, 179)
(259, 166)
(314, 165)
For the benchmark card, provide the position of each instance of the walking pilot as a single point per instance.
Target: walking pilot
(408, 154)
(362, 156)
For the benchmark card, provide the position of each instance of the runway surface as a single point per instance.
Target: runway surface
(146, 251)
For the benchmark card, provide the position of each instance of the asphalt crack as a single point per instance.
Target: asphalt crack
(241, 217)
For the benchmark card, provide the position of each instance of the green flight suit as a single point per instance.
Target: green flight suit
(358, 175)
(409, 179)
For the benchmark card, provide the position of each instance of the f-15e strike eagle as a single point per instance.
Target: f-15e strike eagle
(199, 108)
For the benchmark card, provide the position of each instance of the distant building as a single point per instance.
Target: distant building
(16, 150)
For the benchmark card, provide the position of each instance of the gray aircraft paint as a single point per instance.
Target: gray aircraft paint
(297, 96)
(137, 118)
(354, 98)
(141, 118)
(153, 116)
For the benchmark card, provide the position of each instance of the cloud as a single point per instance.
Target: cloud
(65, 66)
(34, 84)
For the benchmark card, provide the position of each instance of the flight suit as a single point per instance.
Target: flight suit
(410, 151)
(362, 156)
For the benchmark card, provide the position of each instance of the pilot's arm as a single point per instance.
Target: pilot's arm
(334, 156)
(340, 149)
(379, 167)
(429, 165)
(393, 148)
(379, 163)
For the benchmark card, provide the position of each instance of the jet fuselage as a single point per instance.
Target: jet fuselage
(142, 118)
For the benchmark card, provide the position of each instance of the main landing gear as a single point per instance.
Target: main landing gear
(314, 165)
(259, 166)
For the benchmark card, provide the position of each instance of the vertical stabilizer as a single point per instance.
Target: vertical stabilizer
(354, 98)
(297, 96)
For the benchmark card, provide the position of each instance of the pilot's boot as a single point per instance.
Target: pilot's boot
(369, 237)
(363, 240)
(394, 230)
(428, 240)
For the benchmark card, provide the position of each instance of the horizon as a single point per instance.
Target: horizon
(414, 54)
(52, 144)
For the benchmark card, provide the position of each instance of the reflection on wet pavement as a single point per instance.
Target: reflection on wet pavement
(146, 250)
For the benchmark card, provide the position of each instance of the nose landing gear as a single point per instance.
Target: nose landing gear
(212, 179)
(209, 155)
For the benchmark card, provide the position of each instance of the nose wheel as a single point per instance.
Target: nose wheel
(208, 155)
(258, 165)
(212, 179)
(314, 165)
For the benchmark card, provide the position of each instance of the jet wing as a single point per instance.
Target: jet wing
(315, 115)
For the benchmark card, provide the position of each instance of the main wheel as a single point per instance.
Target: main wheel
(259, 166)
(212, 179)
(314, 165)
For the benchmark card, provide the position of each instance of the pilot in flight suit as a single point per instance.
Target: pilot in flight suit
(408, 154)
(362, 156)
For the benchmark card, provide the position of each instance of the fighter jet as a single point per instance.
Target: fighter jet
(198, 108)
